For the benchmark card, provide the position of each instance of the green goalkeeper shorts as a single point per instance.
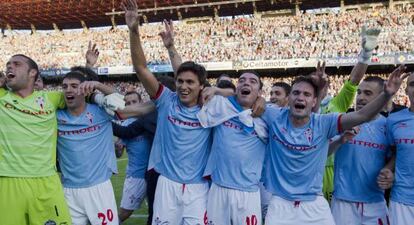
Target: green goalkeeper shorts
(34, 201)
(328, 186)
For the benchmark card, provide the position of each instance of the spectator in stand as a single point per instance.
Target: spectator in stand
(331, 34)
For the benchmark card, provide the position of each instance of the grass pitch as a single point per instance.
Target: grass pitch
(139, 217)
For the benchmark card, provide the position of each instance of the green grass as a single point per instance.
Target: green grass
(118, 182)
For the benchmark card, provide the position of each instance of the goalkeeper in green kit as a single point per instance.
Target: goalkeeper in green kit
(343, 101)
(30, 189)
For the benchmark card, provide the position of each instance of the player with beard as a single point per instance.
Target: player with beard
(357, 197)
(399, 129)
(236, 162)
(31, 192)
(181, 145)
(298, 144)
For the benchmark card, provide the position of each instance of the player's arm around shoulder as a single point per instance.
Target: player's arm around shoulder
(138, 110)
(3, 91)
(56, 98)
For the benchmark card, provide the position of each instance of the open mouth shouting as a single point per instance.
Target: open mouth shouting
(10, 75)
(299, 106)
(245, 91)
(70, 98)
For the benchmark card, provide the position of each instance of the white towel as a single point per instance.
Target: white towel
(220, 109)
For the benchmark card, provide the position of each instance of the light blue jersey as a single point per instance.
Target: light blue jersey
(85, 148)
(400, 127)
(358, 163)
(297, 156)
(181, 145)
(138, 149)
(236, 159)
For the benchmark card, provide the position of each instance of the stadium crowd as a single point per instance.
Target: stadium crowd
(225, 39)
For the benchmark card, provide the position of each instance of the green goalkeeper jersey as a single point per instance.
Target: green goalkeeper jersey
(28, 133)
(340, 104)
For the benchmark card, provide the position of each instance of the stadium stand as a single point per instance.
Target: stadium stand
(306, 35)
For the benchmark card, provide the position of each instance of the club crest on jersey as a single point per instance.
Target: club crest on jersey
(90, 117)
(308, 134)
(50, 222)
(62, 121)
(41, 102)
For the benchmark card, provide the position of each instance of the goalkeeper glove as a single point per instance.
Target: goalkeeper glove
(369, 43)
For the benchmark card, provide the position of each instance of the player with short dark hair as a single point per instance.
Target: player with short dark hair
(236, 162)
(85, 132)
(361, 157)
(31, 192)
(279, 94)
(181, 145)
(345, 97)
(223, 77)
(138, 148)
(298, 144)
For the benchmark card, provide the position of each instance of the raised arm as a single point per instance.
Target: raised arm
(167, 37)
(139, 61)
(369, 41)
(370, 110)
(343, 101)
(91, 55)
(320, 78)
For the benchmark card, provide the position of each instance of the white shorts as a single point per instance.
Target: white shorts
(95, 205)
(265, 197)
(179, 204)
(401, 214)
(358, 213)
(284, 212)
(241, 207)
(133, 193)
